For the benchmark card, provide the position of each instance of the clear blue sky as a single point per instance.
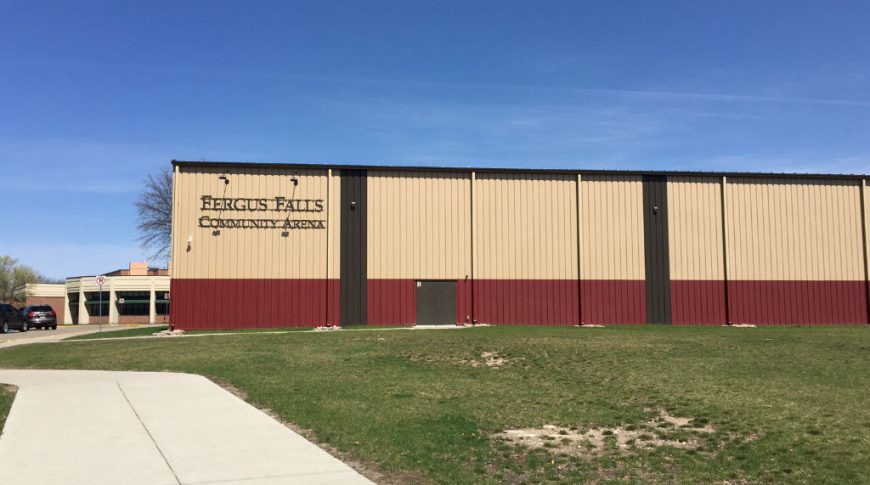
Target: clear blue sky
(95, 95)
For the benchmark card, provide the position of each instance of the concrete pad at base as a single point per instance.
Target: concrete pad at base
(94, 427)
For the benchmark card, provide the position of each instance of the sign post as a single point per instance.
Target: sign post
(101, 280)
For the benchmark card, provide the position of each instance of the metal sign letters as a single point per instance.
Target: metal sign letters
(215, 207)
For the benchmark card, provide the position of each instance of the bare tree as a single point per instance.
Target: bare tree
(13, 278)
(154, 207)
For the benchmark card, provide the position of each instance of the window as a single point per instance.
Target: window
(134, 302)
(92, 303)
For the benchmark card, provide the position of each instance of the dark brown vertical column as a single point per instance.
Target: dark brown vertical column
(353, 272)
(656, 249)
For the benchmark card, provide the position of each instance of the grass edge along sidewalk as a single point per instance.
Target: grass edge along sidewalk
(7, 395)
(636, 404)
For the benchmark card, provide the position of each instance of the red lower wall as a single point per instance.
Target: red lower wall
(391, 302)
(797, 302)
(526, 302)
(613, 302)
(248, 303)
(253, 303)
(697, 302)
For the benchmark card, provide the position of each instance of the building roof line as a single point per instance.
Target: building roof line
(414, 168)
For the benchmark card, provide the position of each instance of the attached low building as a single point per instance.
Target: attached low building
(137, 294)
(276, 245)
(47, 294)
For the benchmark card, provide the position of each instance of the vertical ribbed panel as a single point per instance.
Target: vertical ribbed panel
(249, 253)
(525, 226)
(354, 254)
(795, 251)
(526, 255)
(794, 230)
(613, 280)
(612, 227)
(253, 277)
(419, 225)
(695, 228)
(696, 250)
(865, 207)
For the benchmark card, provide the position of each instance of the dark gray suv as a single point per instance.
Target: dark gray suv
(10, 318)
(39, 316)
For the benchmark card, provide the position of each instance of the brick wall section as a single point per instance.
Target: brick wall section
(56, 303)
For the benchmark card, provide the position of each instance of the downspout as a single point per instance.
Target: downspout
(473, 178)
(724, 201)
(863, 186)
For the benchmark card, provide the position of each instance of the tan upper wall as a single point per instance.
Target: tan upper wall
(695, 228)
(45, 290)
(866, 230)
(418, 225)
(794, 229)
(525, 226)
(250, 252)
(611, 212)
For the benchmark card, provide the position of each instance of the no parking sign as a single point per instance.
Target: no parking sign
(101, 280)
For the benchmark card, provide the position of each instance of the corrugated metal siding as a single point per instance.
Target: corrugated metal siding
(391, 302)
(612, 228)
(794, 230)
(866, 233)
(526, 302)
(419, 229)
(525, 266)
(698, 302)
(695, 228)
(613, 302)
(696, 250)
(419, 225)
(802, 302)
(226, 280)
(794, 251)
(249, 253)
(612, 266)
(525, 227)
(248, 303)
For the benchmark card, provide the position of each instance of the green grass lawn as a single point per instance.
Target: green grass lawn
(130, 332)
(7, 394)
(149, 331)
(782, 404)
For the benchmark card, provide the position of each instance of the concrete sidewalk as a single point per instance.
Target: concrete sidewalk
(96, 427)
(14, 337)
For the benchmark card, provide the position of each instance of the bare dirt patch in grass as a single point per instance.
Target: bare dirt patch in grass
(661, 430)
(490, 359)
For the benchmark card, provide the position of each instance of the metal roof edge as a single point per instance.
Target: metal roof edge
(421, 168)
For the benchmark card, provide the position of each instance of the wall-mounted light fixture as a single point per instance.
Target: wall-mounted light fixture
(189, 243)
(225, 179)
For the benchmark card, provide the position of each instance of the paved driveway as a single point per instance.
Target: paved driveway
(96, 427)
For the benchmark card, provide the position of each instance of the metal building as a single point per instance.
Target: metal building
(276, 245)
